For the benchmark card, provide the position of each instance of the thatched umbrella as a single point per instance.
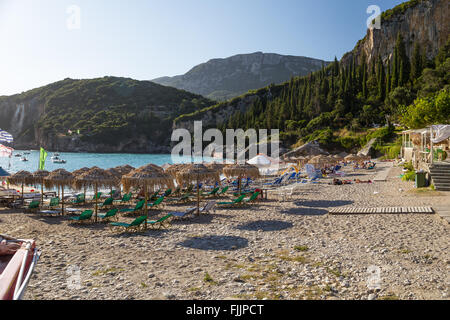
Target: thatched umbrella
(215, 166)
(145, 177)
(125, 169)
(78, 173)
(59, 178)
(352, 157)
(319, 160)
(240, 171)
(38, 178)
(194, 173)
(173, 169)
(95, 177)
(21, 178)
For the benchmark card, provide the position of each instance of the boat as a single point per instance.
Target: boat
(58, 160)
(17, 155)
(16, 269)
(23, 159)
(26, 152)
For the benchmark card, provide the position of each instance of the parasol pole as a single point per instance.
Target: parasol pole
(23, 200)
(62, 199)
(42, 192)
(96, 202)
(146, 204)
(198, 196)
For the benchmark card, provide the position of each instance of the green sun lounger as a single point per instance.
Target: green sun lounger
(126, 198)
(80, 199)
(84, 216)
(54, 202)
(232, 203)
(223, 191)
(167, 193)
(154, 196)
(212, 193)
(139, 206)
(253, 198)
(157, 202)
(98, 195)
(107, 202)
(163, 222)
(133, 226)
(110, 214)
(34, 205)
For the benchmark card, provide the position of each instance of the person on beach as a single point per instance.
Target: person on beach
(8, 248)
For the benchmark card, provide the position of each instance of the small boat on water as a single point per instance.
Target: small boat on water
(18, 259)
(17, 155)
(58, 160)
(23, 159)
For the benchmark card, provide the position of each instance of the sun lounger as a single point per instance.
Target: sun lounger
(110, 214)
(49, 212)
(54, 202)
(80, 199)
(223, 191)
(232, 203)
(98, 195)
(157, 202)
(84, 216)
(139, 206)
(183, 215)
(212, 193)
(34, 205)
(160, 223)
(133, 226)
(126, 198)
(107, 202)
(167, 193)
(253, 198)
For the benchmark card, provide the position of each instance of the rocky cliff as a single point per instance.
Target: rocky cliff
(419, 21)
(222, 79)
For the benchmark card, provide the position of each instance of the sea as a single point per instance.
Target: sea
(76, 161)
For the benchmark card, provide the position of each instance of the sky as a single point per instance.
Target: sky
(49, 40)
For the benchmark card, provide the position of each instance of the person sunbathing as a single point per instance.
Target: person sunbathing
(8, 248)
(362, 181)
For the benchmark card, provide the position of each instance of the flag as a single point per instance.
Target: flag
(42, 158)
(5, 151)
(5, 136)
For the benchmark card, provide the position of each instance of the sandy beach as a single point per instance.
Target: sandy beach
(273, 249)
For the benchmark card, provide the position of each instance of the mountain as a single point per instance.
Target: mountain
(111, 115)
(221, 79)
(418, 21)
(393, 74)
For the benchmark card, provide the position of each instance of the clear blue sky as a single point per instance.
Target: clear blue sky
(145, 39)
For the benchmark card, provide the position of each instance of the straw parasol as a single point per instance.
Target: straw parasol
(21, 178)
(79, 172)
(173, 169)
(125, 169)
(194, 173)
(215, 166)
(319, 160)
(147, 176)
(95, 177)
(59, 178)
(241, 170)
(352, 157)
(38, 178)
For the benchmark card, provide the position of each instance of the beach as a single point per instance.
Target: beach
(274, 249)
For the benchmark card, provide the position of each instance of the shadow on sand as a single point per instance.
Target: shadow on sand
(323, 203)
(265, 225)
(215, 243)
(305, 211)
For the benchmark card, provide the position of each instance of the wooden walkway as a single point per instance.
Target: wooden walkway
(394, 210)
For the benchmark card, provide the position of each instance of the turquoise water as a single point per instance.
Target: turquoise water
(79, 160)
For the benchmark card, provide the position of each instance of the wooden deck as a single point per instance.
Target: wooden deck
(393, 210)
